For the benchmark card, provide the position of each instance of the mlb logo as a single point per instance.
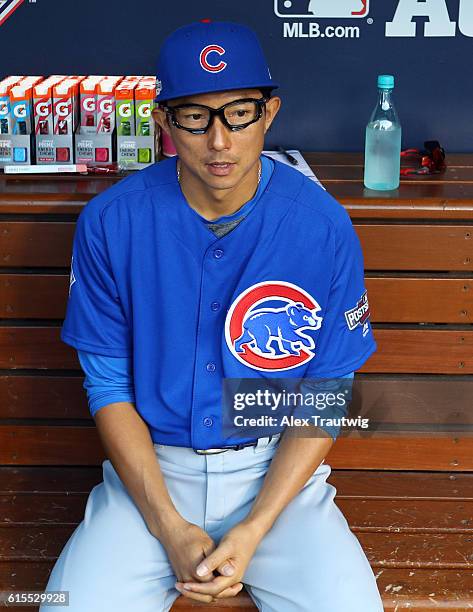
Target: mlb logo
(334, 9)
(7, 7)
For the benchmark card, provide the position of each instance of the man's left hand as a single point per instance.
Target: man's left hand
(230, 559)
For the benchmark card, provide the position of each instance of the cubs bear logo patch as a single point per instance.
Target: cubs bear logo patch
(268, 326)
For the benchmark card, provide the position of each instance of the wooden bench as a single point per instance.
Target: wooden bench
(409, 499)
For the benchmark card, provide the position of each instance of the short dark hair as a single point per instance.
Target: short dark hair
(266, 91)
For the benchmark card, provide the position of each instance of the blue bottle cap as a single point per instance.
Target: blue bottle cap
(386, 81)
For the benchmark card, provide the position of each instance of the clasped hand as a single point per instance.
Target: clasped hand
(206, 572)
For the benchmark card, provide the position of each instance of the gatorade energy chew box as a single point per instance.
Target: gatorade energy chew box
(144, 103)
(106, 104)
(5, 114)
(99, 147)
(57, 146)
(65, 106)
(125, 107)
(88, 104)
(63, 119)
(21, 104)
(136, 135)
(43, 105)
(16, 147)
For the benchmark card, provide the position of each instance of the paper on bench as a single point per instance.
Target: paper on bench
(302, 166)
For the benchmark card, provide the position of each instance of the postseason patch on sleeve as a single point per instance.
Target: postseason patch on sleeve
(358, 315)
(72, 278)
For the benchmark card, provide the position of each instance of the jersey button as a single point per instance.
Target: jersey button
(208, 421)
(215, 305)
(211, 367)
(218, 253)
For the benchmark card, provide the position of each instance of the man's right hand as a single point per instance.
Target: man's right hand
(187, 545)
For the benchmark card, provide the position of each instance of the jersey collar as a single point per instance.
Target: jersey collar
(188, 211)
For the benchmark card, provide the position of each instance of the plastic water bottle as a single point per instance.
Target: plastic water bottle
(383, 140)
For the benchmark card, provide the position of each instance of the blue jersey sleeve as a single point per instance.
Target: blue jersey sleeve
(346, 339)
(94, 320)
(107, 379)
(330, 417)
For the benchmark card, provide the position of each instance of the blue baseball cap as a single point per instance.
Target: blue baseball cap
(210, 56)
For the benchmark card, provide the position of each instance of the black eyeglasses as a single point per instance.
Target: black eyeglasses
(197, 118)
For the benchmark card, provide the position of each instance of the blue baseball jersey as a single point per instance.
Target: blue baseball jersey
(281, 295)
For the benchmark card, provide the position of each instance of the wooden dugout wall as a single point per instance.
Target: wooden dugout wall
(408, 497)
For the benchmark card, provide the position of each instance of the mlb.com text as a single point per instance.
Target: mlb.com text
(314, 30)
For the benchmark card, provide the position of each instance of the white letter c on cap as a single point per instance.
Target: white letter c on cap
(203, 58)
